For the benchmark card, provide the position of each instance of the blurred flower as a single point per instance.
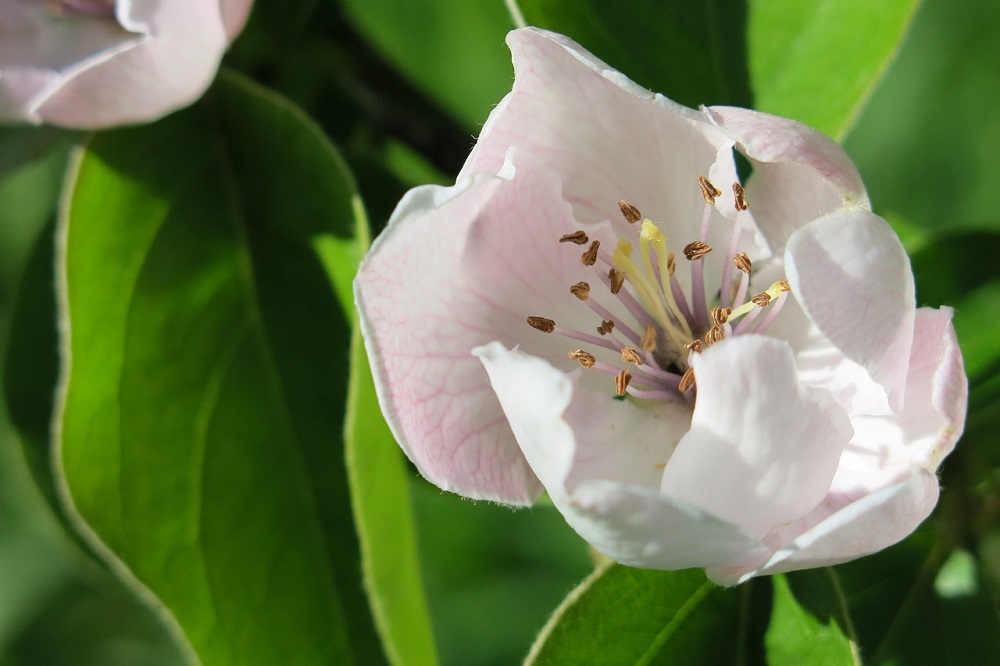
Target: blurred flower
(735, 380)
(96, 63)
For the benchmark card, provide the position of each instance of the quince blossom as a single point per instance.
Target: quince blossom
(697, 375)
(88, 64)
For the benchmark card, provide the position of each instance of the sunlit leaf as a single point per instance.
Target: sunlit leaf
(810, 622)
(202, 263)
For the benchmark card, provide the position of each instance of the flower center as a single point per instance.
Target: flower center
(663, 327)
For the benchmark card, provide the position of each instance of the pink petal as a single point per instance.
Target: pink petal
(609, 139)
(852, 277)
(763, 448)
(799, 173)
(600, 459)
(867, 526)
(165, 56)
(457, 268)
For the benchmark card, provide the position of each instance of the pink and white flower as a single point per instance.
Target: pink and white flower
(89, 64)
(732, 380)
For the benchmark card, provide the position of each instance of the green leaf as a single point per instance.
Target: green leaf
(621, 615)
(205, 371)
(809, 621)
(452, 49)
(818, 61)
(921, 602)
(384, 514)
(692, 52)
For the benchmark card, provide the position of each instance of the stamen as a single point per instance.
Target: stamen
(695, 346)
(606, 327)
(629, 212)
(708, 190)
(617, 280)
(739, 196)
(721, 315)
(648, 342)
(696, 250)
(542, 324)
(687, 381)
(577, 237)
(742, 262)
(715, 334)
(581, 290)
(622, 380)
(761, 299)
(589, 257)
(630, 355)
(585, 359)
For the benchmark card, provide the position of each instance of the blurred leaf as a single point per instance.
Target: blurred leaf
(621, 615)
(913, 604)
(810, 622)
(20, 146)
(205, 373)
(958, 268)
(818, 61)
(451, 49)
(693, 52)
(384, 514)
(927, 142)
(487, 566)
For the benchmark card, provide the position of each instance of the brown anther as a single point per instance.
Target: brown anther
(542, 324)
(577, 237)
(617, 279)
(783, 285)
(585, 359)
(708, 190)
(581, 290)
(630, 355)
(606, 327)
(589, 257)
(687, 381)
(696, 250)
(622, 380)
(740, 197)
(761, 299)
(695, 346)
(721, 315)
(648, 341)
(715, 334)
(629, 212)
(671, 264)
(742, 262)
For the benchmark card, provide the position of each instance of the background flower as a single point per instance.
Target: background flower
(96, 63)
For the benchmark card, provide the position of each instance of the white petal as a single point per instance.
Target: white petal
(852, 277)
(457, 268)
(869, 525)
(607, 137)
(799, 173)
(763, 448)
(600, 458)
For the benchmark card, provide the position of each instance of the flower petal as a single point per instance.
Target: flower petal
(763, 448)
(158, 57)
(610, 139)
(874, 522)
(852, 277)
(456, 268)
(799, 173)
(568, 434)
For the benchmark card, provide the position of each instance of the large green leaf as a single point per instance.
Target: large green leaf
(818, 60)
(810, 622)
(384, 515)
(692, 52)
(451, 49)
(621, 615)
(202, 263)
